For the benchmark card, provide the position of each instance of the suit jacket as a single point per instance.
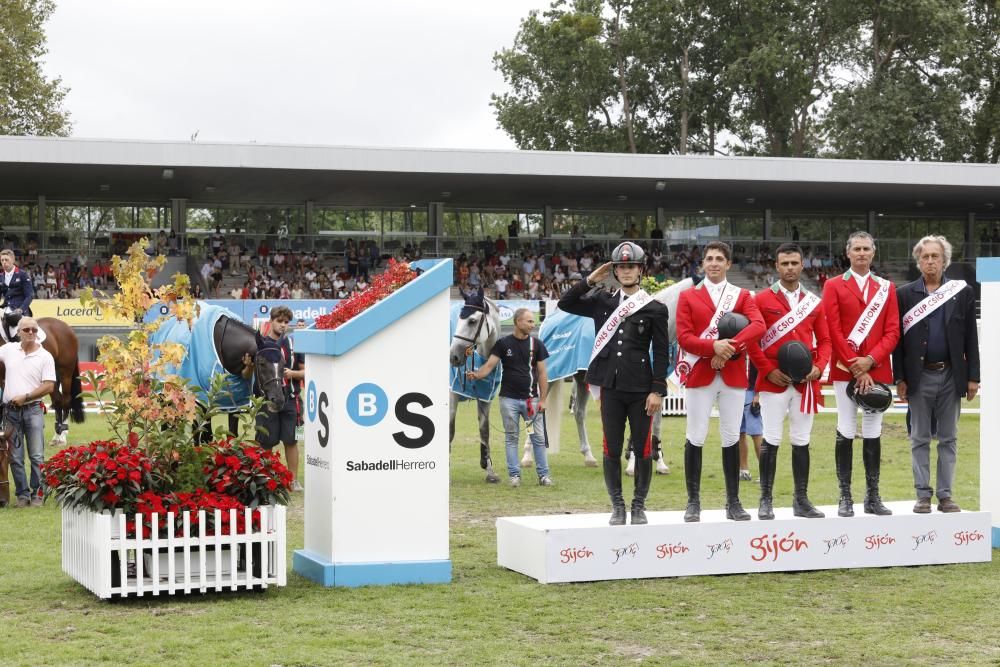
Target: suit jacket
(624, 363)
(694, 311)
(19, 293)
(843, 304)
(812, 331)
(960, 330)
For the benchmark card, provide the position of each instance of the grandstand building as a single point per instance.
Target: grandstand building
(61, 197)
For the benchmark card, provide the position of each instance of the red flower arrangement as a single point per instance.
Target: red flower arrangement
(395, 276)
(101, 475)
(253, 475)
(151, 503)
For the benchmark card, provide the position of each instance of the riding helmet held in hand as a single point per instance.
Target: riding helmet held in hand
(730, 324)
(876, 399)
(795, 360)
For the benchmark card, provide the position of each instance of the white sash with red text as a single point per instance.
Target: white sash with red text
(628, 307)
(863, 326)
(686, 360)
(932, 303)
(791, 320)
(811, 396)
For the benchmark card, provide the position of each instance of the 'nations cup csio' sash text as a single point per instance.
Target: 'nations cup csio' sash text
(607, 331)
(628, 307)
(811, 396)
(730, 295)
(863, 326)
(931, 303)
(791, 320)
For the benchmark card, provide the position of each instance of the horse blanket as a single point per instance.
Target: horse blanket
(201, 361)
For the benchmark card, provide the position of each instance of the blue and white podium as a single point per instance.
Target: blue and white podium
(988, 275)
(376, 441)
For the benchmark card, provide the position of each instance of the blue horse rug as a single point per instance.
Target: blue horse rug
(201, 361)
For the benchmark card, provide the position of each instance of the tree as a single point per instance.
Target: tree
(30, 104)
(904, 99)
(982, 70)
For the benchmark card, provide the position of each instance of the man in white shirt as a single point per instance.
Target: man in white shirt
(29, 375)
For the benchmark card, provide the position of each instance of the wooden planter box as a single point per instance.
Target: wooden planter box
(97, 552)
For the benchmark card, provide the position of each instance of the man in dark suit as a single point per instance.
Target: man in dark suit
(632, 383)
(935, 363)
(16, 293)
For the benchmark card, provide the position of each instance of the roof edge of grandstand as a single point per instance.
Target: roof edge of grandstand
(175, 154)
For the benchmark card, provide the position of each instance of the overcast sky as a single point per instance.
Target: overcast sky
(365, 73)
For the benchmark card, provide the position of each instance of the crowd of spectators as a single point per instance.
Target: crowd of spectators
(269, 273)
(65, 280)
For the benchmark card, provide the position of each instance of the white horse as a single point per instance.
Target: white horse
(668, 296)
(476, 332)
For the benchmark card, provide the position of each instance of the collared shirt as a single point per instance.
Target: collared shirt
(26, 371)
(792, 297)
(715, 290)
(8, 276)
(862, 281)
(937, 337)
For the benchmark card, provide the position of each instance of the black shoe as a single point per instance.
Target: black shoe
(731, 472)
(871, 454)
(768, 462)
(692, 476)
(643, 477)
(613, 482)
(844, 459)
(800, 474)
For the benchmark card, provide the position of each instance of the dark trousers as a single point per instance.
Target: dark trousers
(616, 408)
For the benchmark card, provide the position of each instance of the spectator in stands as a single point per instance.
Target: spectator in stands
(264, 252)
(206, 270)
(500, 285)
(196, 292)
(216, 241)
(656, 238)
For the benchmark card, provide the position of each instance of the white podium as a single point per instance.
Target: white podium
(583, 547)
(988, 275)
(376, 441)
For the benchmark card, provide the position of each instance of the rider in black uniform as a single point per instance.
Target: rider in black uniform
(632, 382)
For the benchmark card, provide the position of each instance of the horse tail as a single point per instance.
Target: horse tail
(76, 392)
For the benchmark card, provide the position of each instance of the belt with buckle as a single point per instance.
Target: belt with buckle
(936, 365)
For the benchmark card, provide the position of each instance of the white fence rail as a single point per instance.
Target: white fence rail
(98, 553)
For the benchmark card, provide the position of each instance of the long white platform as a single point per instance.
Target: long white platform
(583, 547)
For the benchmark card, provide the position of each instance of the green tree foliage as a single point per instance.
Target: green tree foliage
(875, 79)
(30, 104)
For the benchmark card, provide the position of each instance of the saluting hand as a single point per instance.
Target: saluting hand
(602, 272)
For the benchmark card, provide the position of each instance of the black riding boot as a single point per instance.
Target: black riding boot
(731, 472)
(871, 454)
(613, 482)
(800, 474)
(844, 458)
(768, 463)
(643, 475)
(692, 475)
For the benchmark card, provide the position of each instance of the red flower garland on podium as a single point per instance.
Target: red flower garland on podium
(395, 276)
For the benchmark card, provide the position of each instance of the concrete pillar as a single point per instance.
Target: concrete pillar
(435, 224)
(970, 237)
(547, 225)
(178, 220)
(309, 231)
(42, 214)
(767, 224)
(870, 222)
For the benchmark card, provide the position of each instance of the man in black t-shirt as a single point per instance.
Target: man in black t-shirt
(522, 393)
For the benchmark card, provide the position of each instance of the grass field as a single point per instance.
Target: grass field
(918, 615)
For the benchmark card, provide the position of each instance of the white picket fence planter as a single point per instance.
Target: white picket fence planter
(92, 542)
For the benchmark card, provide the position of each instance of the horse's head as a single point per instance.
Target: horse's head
(268, 369)
(478, 327)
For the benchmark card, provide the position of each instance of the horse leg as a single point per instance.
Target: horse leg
(483, 409)
(4, 479)
(528, 460)
(661, 466)
(452, 412)
(580, 413)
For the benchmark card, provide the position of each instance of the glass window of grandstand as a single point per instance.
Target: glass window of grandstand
(18, 228)
(986, 238)
(103, 230)
(251, 228)
(896, 237)
(393, 231)
(477, 231)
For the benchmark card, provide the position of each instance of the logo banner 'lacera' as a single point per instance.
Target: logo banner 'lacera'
(72, 313)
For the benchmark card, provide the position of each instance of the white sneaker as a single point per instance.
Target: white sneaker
(745, 476)
(515, 481)
(296, 486)
(545, 480)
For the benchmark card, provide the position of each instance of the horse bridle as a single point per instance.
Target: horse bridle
(255, 380)
(470, 358)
